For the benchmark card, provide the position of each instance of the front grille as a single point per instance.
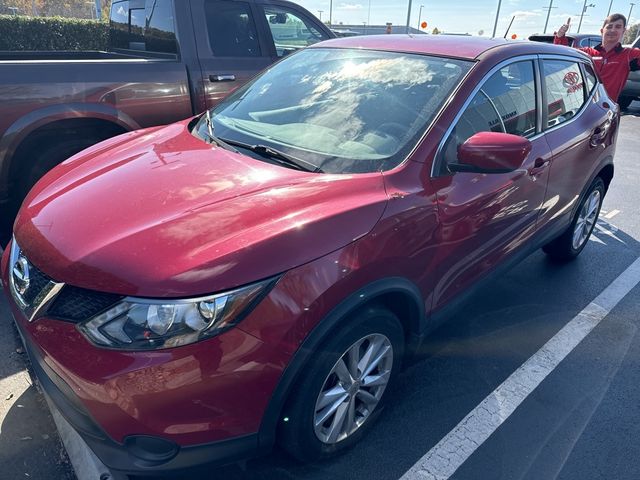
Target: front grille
(37, 282)
(77, 304)
(37, 294)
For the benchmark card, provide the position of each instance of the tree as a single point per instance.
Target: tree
(480, 33)
(52, 8)
(435, 31)
(631, 34)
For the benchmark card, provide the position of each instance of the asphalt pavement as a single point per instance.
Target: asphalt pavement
(581, 421)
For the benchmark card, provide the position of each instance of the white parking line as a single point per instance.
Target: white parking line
(458, 445)
(612, 214)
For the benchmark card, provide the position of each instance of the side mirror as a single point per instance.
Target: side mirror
(278, 18)
(491, 152)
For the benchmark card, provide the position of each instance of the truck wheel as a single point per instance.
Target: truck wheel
(569, 245)
(49, 157)
(624, 102)
(341, 392)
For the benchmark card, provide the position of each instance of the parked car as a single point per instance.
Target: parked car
(631, 90)
(167, 61)
(195, 293)
(577, 40)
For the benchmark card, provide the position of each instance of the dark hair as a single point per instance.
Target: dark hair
(614, 17)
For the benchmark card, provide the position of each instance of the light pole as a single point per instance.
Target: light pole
(330, 12)
(495, 25)
(408, 16)
(584, 9)
(320, 13)
(549, 13)
(369, 14)
(609, 11)
(364, 28)
(420, 16)
(630, 10)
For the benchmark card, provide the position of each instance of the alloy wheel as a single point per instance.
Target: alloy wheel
(353, 388)
(586, 219)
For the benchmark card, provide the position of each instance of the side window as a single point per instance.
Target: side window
(160, 31)
(143, 26)
(505, 103)
(594, 41)
(290, 31)
(232, 29)
(590, 77)
(565, 90)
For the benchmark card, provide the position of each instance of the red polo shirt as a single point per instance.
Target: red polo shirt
(613, 66)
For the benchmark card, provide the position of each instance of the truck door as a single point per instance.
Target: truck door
(230, 48)
(289, 27)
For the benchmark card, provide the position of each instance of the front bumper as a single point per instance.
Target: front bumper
(140, 454)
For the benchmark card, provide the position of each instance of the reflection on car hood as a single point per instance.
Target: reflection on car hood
(160, 213)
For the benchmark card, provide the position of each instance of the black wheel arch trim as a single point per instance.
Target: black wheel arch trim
(365, 296)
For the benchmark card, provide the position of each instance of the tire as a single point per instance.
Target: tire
(624, 102)
(301, 432)
(569, 245)
(49, 157)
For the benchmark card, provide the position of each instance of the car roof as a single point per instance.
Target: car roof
(576, 36)
(462, 47)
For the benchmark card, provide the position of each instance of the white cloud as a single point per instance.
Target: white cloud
(523, 13)
(349, 6)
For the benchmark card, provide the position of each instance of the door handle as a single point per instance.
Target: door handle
(598, 135)
(225, 77)
(538, 166)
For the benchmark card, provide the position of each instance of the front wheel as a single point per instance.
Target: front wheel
(569, 245)
(342, 391)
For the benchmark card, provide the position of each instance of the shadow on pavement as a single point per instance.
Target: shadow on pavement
(29, 444)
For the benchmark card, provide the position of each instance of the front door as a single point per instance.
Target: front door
(485, 217)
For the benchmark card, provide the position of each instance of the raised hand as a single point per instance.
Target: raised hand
(564, 28)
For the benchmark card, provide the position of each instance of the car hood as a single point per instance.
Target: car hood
(160, 213)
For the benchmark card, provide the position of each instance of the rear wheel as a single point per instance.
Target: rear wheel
(624, 102)
(342, 391)
(569, 245)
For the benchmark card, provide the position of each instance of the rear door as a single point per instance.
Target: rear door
(576, 123)
(231, 48)
(486, 218)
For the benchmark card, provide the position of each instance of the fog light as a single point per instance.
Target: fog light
(153, 450)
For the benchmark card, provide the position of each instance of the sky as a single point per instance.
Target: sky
(473, 16)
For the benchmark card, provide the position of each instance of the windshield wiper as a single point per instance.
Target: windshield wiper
(276, 154)
(211, 137)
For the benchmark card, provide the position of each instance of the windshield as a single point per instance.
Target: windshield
(345, 111)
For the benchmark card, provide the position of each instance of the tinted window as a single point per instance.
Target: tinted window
(505, 103)
(565, 90)
(346, 111)
(290, 31)
(146, 26)
(160, 34)
(232, 30)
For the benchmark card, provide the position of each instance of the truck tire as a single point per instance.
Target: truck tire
(49, 157)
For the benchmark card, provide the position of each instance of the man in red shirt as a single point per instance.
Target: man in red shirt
(613, 62)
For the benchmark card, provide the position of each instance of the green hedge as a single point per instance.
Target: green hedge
(52, 33)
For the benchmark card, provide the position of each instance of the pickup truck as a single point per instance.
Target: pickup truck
(631, 90)
(167, 60)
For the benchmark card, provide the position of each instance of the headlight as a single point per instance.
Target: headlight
(141, 324)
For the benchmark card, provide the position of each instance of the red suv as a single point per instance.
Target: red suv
(196, 292)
